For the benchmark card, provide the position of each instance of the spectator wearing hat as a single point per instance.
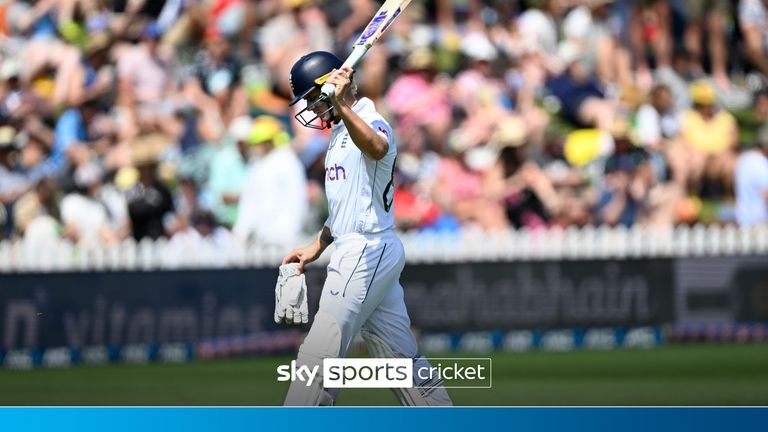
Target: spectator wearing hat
(149, 201)
(86, 76)
(461, 189)
(478, 90)
(38, 204)
(418, 98)
(228, 170)
(627, 178)
(709, 135)
(273, 203)
(527, 194)
(751, 182)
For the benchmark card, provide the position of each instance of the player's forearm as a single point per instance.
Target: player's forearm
(366, 139)
(324, 239)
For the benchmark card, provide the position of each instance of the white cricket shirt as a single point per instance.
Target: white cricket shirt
(359, 189)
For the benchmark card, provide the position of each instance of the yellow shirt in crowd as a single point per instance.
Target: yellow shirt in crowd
(712, 137)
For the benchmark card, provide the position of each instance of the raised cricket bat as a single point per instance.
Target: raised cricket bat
(373, 31)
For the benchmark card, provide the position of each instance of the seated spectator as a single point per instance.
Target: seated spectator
(85, 217)
(705, 158)
(273, 204)
(753, 19)
(203, 241)
(527, 194)
(761, 106)
(751, 183)
(13, 183)
(658, 120)
(414, 209)
(144, 83)
(149, 201)
(708, 18)
(217, 71)
(39, 203)
(589, 27)
(228, 171)
(86, 76)
(625, 183)
(582, 99)
(419, 99)
(72, 143)
(460, 190)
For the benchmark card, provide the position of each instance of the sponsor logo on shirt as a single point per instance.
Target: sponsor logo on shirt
(336, 172)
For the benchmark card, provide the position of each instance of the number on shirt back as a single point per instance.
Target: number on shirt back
(388, 199)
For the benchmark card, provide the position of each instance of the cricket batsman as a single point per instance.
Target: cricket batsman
(362, 291)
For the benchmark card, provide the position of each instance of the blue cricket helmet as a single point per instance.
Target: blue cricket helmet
(311, 71)
(308, 73)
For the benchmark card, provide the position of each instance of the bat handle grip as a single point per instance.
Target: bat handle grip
(327, 90)
(354, 58)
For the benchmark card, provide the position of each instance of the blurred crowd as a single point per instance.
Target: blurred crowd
(170, 118)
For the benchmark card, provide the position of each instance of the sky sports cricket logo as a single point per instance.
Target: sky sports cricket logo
(392, 373)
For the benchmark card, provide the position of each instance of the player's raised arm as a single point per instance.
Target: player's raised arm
(371, 143)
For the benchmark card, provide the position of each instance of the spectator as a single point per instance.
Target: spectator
(203, 241)
(651, 26)
(474, 86)
(228, 171)
(589, 27)
(419, 99)
(709, 136)
(144, 82)
(217, 71)
(12, 182)
(581, 96)
(273, 204)
(87, 76)
(149, 201)
(658, 120)
(753, 18)
(85, 217)
(37, 204)
(626, 182)
(460, 189)
(527, 193)
(73, 144)
(708, 17)
(752, 183)
(761, 106)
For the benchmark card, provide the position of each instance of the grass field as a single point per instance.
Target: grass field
(671, 375)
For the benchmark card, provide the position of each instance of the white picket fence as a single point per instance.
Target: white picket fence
(467, 246)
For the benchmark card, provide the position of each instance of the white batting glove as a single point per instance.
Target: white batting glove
(291, 296)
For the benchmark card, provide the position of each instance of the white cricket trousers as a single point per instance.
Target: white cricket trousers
(363, 289)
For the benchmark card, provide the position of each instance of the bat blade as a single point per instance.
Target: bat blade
(381, 21)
